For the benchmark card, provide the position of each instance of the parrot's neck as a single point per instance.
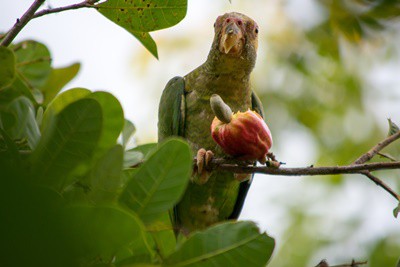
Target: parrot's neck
(235, 67)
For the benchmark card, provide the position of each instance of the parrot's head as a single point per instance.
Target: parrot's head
(236, 39)
(236, 33)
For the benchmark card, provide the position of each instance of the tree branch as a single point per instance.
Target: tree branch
(229, 165)
(87, 3)
(381, 145)
(28, 15)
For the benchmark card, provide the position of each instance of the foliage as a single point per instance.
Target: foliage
(69, 194)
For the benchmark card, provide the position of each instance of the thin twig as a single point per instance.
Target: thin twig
(373, 151)
(353, 263)
(83, 4)
(382, 184)
(28, 15)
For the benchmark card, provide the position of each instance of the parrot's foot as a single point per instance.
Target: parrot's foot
(204, 157)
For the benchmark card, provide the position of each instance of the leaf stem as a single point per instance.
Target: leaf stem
(20, 23)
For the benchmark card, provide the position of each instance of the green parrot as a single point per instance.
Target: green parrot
(185, 111)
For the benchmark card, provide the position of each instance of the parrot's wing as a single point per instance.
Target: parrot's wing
(171, 111)
(171, 116)
(244, 186)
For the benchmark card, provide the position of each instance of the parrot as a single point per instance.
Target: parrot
(185, 111)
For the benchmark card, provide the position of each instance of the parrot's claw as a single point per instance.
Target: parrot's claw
(204, 158)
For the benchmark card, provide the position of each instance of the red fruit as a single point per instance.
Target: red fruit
(246, 136)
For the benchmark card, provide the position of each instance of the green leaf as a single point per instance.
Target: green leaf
(396, 211)
(128, 132)
(39, 115)
(105, 177)
(231, 243)
(132, 158)
(135, 155)
(165, 242)
(68, 142)
(393, 128)
(25, 124)
(100, 231)
(9, 154)
(7, 67)
(144, 15)
(58, 79)
(160, 181)
(61, 101)
(146, 149)
(163, 235)
(16, 89)
(113, 118)
(33, 62)
(127, 174)
(139, 265)
(147, 41)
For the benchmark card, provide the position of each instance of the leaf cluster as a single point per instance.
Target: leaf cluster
(69, 196)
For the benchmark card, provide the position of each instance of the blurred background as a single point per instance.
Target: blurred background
(328, 74)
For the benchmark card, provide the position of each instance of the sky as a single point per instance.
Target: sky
(114, 61)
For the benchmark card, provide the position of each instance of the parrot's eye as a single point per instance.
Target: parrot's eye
(240, 22)
(228, 20)
(256, 30)
(215, 24)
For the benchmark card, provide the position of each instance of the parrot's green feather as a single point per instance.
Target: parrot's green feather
(171, 110)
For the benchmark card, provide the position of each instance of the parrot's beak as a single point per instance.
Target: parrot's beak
(232, 40)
